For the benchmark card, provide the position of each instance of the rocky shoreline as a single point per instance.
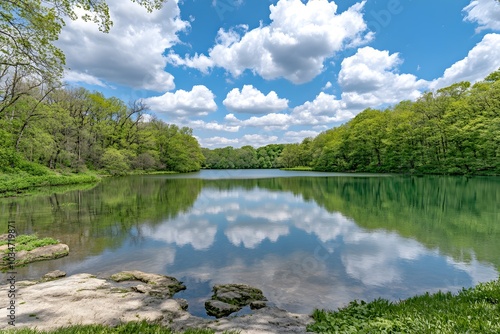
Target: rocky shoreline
(57, 301)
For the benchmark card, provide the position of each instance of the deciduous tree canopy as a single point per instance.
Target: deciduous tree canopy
(455, 130)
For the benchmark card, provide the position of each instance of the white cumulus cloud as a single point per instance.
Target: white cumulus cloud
(481, 60)
(215, 126)
(299, 136)
(484, 12)
(73, 76)
(370, 78)
(257, 140)
(269, 122)
(217, 141)
(131, 53)
(325, 108)
(253, 101)
(199, 101)
(300, 37)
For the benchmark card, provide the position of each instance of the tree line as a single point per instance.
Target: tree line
(78, 130)
(455, 130)
(245, 157)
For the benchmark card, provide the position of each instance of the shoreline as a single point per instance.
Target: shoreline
(83, 299)
(56, 301)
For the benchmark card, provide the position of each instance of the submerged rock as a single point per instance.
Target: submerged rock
(156, 285)
(56, 274)
(230, 298)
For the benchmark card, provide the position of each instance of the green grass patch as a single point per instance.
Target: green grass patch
(15, 184)
(30, 242)
(142, 327)
(473, 310)
(299, 168)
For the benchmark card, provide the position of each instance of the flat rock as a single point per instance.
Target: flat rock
(239, 295)
(257, 304)
(48, 252)
(53, 275)
(86, 300)
(155, 285)
(220, 309)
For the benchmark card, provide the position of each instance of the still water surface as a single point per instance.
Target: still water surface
(308, 240)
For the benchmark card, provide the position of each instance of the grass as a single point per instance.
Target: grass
(16, 184)
(142, 327)
(473, 310)
(299, 168)
(30, 242)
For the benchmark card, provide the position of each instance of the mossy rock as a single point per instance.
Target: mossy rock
(230, 298)
(42, 253)
(219, 309)
(237, 294)
(156, 285)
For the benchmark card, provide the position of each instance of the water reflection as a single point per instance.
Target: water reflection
(306, 242)
(184, 230)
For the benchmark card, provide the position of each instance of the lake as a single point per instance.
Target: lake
(308, 240)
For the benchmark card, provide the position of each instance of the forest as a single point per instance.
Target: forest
(77, 130)
(454, 131)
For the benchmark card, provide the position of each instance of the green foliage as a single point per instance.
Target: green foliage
(474, 310)
(245, 157)
(9, 159)
(114, 162)
(14, 184)
(79, 131)
(142, 327)
(178, 150)
(30, 242)
(453, 131)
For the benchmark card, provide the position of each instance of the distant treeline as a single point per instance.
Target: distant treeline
(244, 158)
(455, 130)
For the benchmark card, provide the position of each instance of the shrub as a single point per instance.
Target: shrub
(115, 162)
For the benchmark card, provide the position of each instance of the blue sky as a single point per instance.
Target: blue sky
(243, 72)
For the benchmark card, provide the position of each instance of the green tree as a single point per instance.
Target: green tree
(28, 29)
(115, 162)
(178, 149)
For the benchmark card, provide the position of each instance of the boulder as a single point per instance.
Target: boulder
(257, 304)
(220, 309)
(56, 274)
(155, 285)
(237, 295)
